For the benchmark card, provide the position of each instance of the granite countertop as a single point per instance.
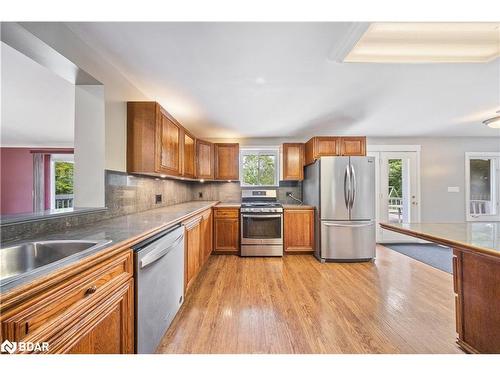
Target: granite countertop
(116, 230)
(479, 236)
(297, 206)
(229, 204)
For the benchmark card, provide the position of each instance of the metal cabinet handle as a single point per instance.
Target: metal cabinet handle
(154, 256)
(91, 290)
(262, 216)
(348, 225)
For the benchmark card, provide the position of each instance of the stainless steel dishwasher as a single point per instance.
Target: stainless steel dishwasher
(159, 286)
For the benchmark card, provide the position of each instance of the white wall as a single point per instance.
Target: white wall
(117, 89)
(442, 164)
(38, 106)
(89, 146)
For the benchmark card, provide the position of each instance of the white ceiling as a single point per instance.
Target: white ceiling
(38, 107)
(225, 80)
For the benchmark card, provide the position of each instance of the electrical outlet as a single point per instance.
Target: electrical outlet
(200, 194)
(158, 198)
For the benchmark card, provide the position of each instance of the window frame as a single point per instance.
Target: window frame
(261, 150)
(495, 193)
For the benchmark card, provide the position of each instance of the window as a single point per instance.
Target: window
(482, 186)
(259, 167)
(62, 171)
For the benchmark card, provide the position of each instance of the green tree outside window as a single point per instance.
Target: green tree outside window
(259, 170)
(64, 177)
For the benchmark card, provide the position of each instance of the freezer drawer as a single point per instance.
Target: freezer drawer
(347, 240)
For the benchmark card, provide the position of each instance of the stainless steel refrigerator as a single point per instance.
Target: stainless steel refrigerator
(342, 189)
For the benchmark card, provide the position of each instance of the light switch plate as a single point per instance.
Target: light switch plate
(453, 189)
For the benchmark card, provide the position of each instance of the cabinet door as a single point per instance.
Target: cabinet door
(227, 161)
(188, 168)
(111, 330)
(206, 235)
(299, 230)
(192, 248)
(326, 146)
(170, 139)
(204, 159)
(227, 230)
(293, 161)
(321, 146)
(353, 146)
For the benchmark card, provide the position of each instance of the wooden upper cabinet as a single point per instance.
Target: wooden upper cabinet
(334, 146)
(321, 146)
(353, 146)
(204, 159)
(169, 144)
(189, 153)
(227, 156)
(153, 140)
(293, 161)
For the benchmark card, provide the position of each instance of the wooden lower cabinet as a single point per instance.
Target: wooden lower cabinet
(227, 230)
(476, 281)
(207, 228)
(108, 332)
(298, 227)
(198, 245)
(86, 308)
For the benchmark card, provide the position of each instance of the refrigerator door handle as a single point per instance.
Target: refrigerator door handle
(348, 225)
(353, 184)
(347, 190)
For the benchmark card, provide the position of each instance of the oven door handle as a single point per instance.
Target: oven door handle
(262, 216)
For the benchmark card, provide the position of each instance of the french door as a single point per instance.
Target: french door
(397, 190)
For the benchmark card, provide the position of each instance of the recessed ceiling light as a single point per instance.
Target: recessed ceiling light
(428, 42)
(493, 122)
(163, 175)
(202, 180)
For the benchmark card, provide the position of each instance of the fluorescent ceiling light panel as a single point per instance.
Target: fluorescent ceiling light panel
(422, 42)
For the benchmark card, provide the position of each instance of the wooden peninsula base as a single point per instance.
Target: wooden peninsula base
(476, 278)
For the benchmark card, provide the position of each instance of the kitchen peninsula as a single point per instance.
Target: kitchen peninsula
(476, 277)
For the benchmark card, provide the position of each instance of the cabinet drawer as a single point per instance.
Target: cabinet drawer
(46, 309)
(225, 212)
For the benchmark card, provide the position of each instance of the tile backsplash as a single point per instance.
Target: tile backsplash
(126, 194)
(231, 191)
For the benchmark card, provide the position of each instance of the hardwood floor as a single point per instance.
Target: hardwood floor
(296, 304)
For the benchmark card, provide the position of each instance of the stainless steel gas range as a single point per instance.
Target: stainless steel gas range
(261, 223)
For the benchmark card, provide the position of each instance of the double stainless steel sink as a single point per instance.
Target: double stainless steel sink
(30, 258)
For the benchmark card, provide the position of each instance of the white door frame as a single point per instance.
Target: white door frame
(395, 148)
(496, 190)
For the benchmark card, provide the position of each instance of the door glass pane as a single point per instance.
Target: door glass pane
(395, 194)
(481, 197)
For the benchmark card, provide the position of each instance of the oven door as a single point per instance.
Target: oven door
(259, 229)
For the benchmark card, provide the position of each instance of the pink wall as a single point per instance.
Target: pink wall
(16, 180)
